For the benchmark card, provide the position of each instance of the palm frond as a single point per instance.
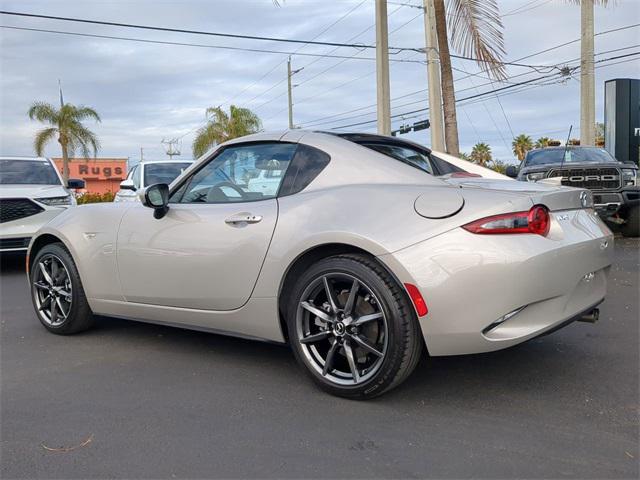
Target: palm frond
(476, 31)
(206, 137)
(43, 137)
(84, 113)
(43, 112)
(84, 140)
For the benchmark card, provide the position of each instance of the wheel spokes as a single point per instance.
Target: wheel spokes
(367, 318)
(53, 312)
(321, 314)
(331, 295)
(366, 345)
(41, 286)
(328, 364)
(45, 274)
(352, 362)
(351, 300)
(316, 338)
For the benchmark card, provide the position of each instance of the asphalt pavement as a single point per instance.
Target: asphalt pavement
(133, 400)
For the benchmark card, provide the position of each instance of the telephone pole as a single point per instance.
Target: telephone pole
(433, 77)
(289, 93)
(587, 75)
(291, 73)
(382, 69)
(172, 147)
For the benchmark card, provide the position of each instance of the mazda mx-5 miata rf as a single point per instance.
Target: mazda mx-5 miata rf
(360, 251)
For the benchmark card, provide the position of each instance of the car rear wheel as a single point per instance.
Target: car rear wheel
(352, 328)
(57, 293)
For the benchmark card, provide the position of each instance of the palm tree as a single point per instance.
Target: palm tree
(66, 124)
(542, 142)
(481, 153)
(476, 31)
(464, 156)
(521, 145)
(222, 127)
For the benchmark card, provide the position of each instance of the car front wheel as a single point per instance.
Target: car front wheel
(57, 293)
(352, 328)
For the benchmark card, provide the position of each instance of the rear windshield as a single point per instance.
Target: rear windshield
(573, 155)
(28, 172)
(163, 172)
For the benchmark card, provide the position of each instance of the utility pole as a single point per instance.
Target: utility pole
(141, 154)
(587, 75)
(433, 77)
(382, 69)
(172, 147)
(291, 73)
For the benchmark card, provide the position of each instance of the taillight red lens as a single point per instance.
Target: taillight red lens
(536, 221)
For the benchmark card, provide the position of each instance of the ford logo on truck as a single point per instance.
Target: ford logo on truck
(589, 178)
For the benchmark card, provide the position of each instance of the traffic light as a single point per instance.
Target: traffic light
(421, 125)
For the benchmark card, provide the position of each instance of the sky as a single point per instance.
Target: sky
(145, 92)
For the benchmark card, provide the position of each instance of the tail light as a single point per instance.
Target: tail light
(534, 221)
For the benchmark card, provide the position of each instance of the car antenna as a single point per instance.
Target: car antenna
(566, 147)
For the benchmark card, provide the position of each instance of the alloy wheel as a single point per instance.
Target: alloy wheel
(342, 329)
(52, 290)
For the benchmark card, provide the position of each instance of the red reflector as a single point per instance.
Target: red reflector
(416, 298)
(536, 221)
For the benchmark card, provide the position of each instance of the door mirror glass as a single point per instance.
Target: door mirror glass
(157, 197)
(75, 183)
(127, 184)
(511, 171)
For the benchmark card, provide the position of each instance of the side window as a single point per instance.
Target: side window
(404, 154)
(242, 173)
(136, 176)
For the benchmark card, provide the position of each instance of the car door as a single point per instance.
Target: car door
(207, 251)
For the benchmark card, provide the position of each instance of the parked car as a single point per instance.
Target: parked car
(615, 185)
(31, 194)
(147, 173)
(359, 259)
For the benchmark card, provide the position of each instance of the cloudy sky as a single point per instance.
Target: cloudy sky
(147, 91)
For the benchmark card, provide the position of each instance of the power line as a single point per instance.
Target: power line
(198, 32)
(200, 45)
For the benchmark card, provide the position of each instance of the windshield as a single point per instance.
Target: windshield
(163, 172)
(573, 155)
(28, 172)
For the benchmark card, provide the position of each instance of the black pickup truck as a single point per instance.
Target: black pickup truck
(615, 185)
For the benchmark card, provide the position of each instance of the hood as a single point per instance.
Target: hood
(32, 191)
(571, 165)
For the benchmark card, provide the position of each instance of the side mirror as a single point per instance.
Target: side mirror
(75, 183)
(127, 184)
(157, 197)
(511, 171)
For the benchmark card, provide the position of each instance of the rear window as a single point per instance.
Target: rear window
(28, 172)
(404, 154)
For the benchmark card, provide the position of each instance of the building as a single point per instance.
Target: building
(101, 175)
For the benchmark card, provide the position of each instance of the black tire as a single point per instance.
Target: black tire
(78, 314)
(631, 227)
(401, 344)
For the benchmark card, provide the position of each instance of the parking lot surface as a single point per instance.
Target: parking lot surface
(132, 400)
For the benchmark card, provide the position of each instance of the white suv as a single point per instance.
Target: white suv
(149, 173)
(31, 194)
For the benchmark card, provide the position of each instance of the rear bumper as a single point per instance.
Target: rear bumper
(471, 282)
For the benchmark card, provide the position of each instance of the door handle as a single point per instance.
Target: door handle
(243, 217)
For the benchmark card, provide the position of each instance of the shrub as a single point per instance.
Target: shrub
(95, 198)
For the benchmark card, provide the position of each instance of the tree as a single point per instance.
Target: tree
(465, 156)
(481, 154)
(66, 124)
(599, 134)
(498, 166)
(222, 127)
(476, 31)
(521, 145)
(542, 142)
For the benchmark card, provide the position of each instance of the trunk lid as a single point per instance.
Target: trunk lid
(554, 197)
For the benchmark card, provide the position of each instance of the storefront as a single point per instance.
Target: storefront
(101, 175)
